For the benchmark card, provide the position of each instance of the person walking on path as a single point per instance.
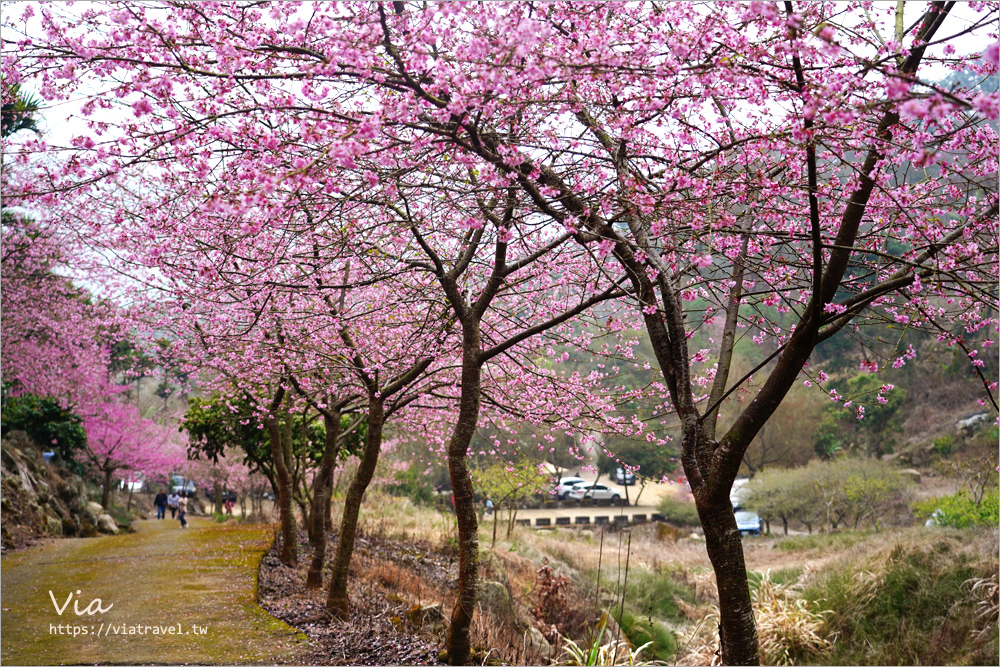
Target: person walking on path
(161, 504)
(182, 504)
(172, 503)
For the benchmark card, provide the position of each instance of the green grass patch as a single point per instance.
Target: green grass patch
(907, 604)
(650, 609)
(651, 593)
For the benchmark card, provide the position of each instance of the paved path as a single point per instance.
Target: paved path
(201, 582)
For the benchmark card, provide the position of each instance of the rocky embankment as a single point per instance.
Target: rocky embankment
(39, 499)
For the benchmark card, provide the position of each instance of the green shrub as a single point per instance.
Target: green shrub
(413, 485)
(641, 630)
(48, 425)
(944, 446)
(656, 594)
(679, 512)
(960, 510)
(905, 604)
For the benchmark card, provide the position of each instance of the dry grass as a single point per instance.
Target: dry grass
(398, 518)
(789, 629)
(986, 593)
(702, 582)
(509, 642)
(698, 644)
(583, 553)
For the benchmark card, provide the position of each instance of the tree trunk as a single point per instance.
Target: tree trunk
(337, 600)
(328, 517)
(642, 487)
(784, 525)
(289, 548)
(458, 645)
(737, 629)
(496, 510)
(322, 485)
(217, 497)
(106, 492)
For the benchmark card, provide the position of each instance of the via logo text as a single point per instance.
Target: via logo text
(93, 608)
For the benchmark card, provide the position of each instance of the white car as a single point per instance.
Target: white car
(592, 491)
(566, 484)
(626, 477)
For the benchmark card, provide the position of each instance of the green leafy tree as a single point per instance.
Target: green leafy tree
(49, 426)
(508, 485)
(412, 483)
(213, 424)
(19, 111)
(825, 485)
(776, 494)
(873, 488)
(216, 423)
(828, 441)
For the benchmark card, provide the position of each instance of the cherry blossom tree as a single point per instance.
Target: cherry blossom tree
(120, 439)
(785, 172)
(684, 214)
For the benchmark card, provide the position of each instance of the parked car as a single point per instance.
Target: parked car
(179, 484)
(210, 495)
(592, 491)
(749, 523)
(565, 485)
(136, 484)
(626, 477)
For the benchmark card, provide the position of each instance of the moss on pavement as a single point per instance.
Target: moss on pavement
(201, 581)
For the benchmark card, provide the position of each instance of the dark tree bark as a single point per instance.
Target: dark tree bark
(217, 496)
(337, 600)
(289, 547)
(106, 492)
(737, 629)
(458, 645)
(322, 489)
